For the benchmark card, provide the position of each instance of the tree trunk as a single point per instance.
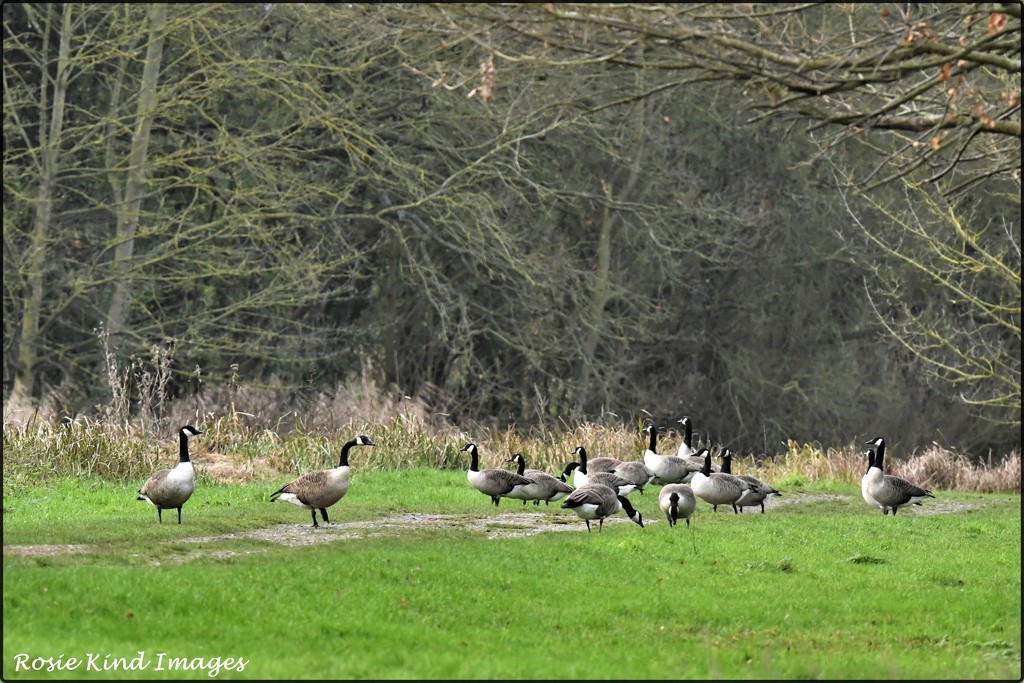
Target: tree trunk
(128, 211)
(49, 166)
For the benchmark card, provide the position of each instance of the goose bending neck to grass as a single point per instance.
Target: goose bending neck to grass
(168, 489)
(597, 501)
(885, 490)
(321, 489)
(546, 487)
(496, 483)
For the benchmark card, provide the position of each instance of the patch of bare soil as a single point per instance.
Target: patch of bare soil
(504, 525)
(41, 550)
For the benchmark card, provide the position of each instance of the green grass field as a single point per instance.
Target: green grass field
(819, 587)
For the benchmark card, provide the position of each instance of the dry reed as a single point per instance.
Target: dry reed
(248, 436)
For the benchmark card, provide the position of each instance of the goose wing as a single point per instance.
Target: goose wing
(310, 481)
(154, 481)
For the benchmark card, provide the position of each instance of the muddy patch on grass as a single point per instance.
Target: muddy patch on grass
(505, 525)
(43, 550)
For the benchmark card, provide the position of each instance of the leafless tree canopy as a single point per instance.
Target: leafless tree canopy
(786, 221)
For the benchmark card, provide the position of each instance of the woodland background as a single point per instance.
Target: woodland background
(787, 221)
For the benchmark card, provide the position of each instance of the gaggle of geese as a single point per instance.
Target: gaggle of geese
(599, 489)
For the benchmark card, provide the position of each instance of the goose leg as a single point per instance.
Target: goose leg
(315, 525)
(160, 515)
(323, 514)
(588, 525)
(179, 514)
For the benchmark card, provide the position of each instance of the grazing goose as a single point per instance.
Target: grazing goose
(888, 491)
(597, 501)
(595, 464)
(686, 448)
(760, 490)
(166, 489)
(494, 483)
(677, 500)
(580, 477)
(668, 469)
(321, 489)
(718, 488)
(546, 487)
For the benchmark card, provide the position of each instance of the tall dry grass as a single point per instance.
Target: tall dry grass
(249, 435)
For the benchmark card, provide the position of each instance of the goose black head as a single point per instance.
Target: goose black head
(706, 470)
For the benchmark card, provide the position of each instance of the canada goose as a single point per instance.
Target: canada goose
(494, 483)
(759, 489)
(718, 488)
(865, 481)
(668, 469)
(595, 464)
(677, 500)
(321, 489)
(686, 447)
(597, 501)
(580, 477)
(166, 489)
(636, 472)
(888, 491)
(546, 487)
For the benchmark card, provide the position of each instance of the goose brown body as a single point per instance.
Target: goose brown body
(889, 492)
(321, 489)
(496, 483)
(546, 487)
